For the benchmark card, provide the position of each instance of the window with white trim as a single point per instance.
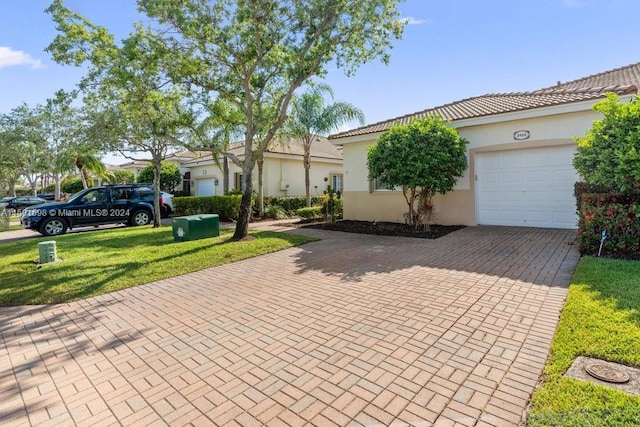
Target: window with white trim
(377, 185)
(337, 182)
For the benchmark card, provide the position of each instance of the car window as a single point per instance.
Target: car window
(96, 196)
(121, 194)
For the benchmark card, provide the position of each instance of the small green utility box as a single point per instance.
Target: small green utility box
(194, 227)
(47, 251)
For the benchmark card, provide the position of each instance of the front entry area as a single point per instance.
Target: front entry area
(530, 187)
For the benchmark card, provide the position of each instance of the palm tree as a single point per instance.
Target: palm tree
(310, 117)
(86, 161)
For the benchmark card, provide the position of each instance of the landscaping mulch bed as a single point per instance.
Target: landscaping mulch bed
(383, 228)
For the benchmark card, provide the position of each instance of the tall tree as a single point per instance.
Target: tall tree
(136, 106)
(26, 148)
(256, 53)
(9, 154)
(58, 128)
(310, 117)
(424, 157)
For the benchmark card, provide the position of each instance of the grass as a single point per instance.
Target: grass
(98, 262)
(10, 227)
(601, 319)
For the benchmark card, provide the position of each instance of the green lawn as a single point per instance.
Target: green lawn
(98, 262)
(10, 227)
(601, 319)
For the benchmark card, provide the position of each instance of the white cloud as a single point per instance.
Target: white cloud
(11, 58)
(410, 20)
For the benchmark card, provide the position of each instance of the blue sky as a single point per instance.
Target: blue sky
(452, 50)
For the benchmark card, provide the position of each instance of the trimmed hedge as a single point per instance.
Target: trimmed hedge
(290, 204)
(227, 207)
(580, 188)
(619, 215)
(310, 213)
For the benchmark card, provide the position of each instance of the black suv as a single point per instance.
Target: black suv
(130, 204)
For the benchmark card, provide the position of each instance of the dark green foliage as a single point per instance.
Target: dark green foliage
(580, 188)
(275, 212)
(310, 213)
(169, 176)
(619, 215)
(332, 204)
(290, 204)
(423, 158)
(609, 154)
(49, 188)
(227, 207)
(71, 185)
(122, 177)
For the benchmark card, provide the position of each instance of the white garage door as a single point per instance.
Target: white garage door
(529, 187)
(206, 187)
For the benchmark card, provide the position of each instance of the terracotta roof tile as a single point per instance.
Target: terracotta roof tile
(623, 80)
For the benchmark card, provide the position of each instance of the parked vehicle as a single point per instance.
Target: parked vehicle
(130, 204)
(47, 196)
(19, 203)
(167, 201)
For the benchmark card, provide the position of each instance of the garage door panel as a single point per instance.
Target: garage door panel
(206, 187)
(528, 187)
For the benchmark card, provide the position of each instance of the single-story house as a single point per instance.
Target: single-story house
(520, 170)
(283, 170)
(177, 158)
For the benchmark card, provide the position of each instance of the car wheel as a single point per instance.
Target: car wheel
(53, 227)
(140, 217)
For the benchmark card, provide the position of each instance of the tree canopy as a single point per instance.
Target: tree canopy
(256, 53)
(424, 158)
(169, 176)
(609, 154)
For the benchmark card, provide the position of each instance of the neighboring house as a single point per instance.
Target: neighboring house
(520, 170)
(177, 158)
(283, 171)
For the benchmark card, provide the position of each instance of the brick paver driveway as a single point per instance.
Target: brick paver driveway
(350, 330)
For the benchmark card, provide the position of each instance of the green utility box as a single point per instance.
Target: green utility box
(47, 251)
(194, 227)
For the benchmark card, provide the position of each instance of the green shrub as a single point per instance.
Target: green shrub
(227, 207)
(181, 193)
(619, 215)
(71, 184)
(580, 188)
(49, 188)
(310, 213)
(275, 212)
(290, 204)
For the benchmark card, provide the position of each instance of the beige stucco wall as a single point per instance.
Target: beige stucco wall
(278, 173)
(458, 206)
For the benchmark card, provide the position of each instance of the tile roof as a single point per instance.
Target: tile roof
(320, 148)
(624, 80)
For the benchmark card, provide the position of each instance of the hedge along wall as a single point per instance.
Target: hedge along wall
(619, 215)
(227, 207)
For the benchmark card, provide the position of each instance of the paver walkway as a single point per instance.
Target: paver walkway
(350, 330)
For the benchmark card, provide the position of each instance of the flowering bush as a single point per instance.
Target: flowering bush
(619, 215)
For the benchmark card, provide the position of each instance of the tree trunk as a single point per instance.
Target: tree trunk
(225, 175)
(56, 192)
(12, 188)
(156, 192)
(83, 178)
(307, 184)
(242, 226)
(260, 187)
